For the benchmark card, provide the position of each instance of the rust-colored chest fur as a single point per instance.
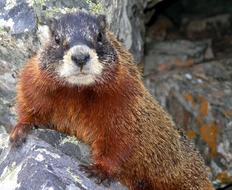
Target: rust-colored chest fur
(82, 112)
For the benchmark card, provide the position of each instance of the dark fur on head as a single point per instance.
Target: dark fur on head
(73, 29)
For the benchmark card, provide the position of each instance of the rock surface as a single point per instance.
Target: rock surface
(48, 160)
(199, 97)
(173, 54)
(188, 68)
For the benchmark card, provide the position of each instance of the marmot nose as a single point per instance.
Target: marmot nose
(80, 60)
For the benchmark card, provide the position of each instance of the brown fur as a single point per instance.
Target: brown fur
(132, 138)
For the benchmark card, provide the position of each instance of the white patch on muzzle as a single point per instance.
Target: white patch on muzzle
(70, 72)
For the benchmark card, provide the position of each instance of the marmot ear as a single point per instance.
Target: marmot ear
(102, 21)
(44, 34)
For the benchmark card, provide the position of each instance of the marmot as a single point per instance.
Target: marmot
(84, 83)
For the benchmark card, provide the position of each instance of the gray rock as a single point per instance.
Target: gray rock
(41, 164)
(203, 24)
(13, 54)
(21, 16)
(200, 100)
(130, 27)
(168, 55)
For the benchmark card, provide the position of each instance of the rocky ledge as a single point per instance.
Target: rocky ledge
(47, 160)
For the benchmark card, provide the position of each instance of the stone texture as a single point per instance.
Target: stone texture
(200, 25)
(200, 100)
(12, 56)
(168, 55)
(43, 163)
(188, 68)
(22, 17)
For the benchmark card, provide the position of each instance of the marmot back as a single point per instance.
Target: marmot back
(84, 83)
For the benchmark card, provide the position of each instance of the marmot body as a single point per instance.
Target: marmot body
(84, 83)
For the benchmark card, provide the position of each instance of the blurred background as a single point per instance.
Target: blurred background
(183, 47)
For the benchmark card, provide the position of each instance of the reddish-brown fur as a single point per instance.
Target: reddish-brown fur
(132, 138)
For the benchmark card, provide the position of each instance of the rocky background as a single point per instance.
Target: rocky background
(188, 68)
(184, 48)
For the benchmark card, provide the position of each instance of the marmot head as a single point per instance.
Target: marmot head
(76, 49)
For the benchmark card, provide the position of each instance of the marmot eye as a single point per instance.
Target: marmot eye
(57, 39)
(99, 37)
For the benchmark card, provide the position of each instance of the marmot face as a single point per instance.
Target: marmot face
(76, 49)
